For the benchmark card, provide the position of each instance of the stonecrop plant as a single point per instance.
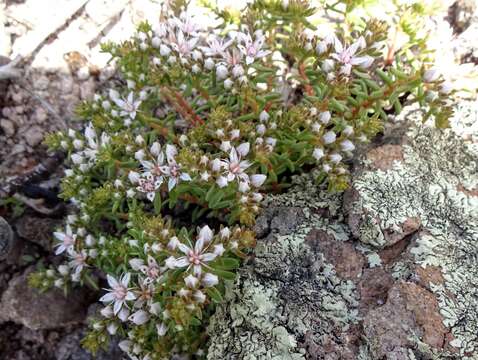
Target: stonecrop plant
(168, 175)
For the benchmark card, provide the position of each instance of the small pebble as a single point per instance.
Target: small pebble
(83, 73)
(41, 83)
(7, 126)
(34, 136)
(40, 114)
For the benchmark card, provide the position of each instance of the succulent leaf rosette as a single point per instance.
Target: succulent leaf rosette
(168, 175)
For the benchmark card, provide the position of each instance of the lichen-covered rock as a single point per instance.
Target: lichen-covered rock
(434, 184)
(387, 271)
(24, 305)
(289, 302)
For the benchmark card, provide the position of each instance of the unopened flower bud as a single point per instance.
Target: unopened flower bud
(209, 280)
(139, 155)
(324, 117)
(164, 50)
(318, 153)
(133, 177)
(329, 137)
(335, 158)
(221, 72)
(209, 64)
(221, 181)
(347, 145)
(156, 42)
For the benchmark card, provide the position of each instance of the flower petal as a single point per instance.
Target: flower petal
(112, 282)
(107, 297)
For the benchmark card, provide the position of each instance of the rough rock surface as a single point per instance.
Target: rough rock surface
(24, 305)
(289, 301)
(69, 348)
(6, 237)
(387, 271)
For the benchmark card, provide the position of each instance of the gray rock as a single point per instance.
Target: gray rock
(6, 238)
(69, 348)
(7, 126)
(25, 305)
(278, 219)
(38, 230)
(34, 136)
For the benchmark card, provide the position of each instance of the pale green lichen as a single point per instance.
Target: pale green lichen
(435, 183)
(290, 295)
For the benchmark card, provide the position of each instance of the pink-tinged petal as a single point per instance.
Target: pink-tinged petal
(120, 103)
(171, 152)
(160, 159)
(244, 165)
(184, 248)
(208, 257)
(147, 164)
(150, 196)
(140, 317)
(210, 280)
(117, 307)
(338, 46)
(136, 264)
(233, 157)
(346, 69)
(197, 270)
(185, 177)
(363, 61)
(165, 170)
(243, 149)
(206, 233)
(199, 245)
(152, 261)
(125, 345)
(221, 181)
(130, 296)
(123, 314)
(181, 262)
(107, 297)
(171, 183)
(162, 329)
(170, 262)
(59, 235)
(60, 249)
(258, 179)
(112, 282)
(353, 48)
(262, 53)
(125, 279)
